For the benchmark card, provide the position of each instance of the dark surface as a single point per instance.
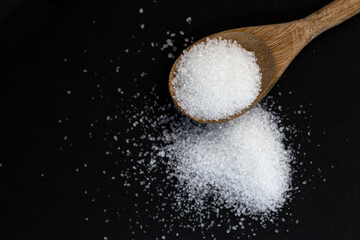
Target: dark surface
(36, 37)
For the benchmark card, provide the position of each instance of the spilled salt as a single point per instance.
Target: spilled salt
(242, 164)
(216, 79)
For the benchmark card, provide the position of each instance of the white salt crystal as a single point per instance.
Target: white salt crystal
(216, 79)
(141, 10)
(161, 154)
(188, 20)
(142, 26)
(169, 42)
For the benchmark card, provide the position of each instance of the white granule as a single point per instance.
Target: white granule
(216, 79)
(188, 20)
(242, 164)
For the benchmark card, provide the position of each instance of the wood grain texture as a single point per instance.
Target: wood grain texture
(276, 45)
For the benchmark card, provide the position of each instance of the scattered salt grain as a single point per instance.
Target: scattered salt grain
(188, 20)
(141, 10)
(216, 79)
(142, 26)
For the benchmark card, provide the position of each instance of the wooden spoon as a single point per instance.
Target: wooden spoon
(276, 45)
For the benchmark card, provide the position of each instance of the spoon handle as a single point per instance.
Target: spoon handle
(331, 15)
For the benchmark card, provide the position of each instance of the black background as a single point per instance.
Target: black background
(41, 190)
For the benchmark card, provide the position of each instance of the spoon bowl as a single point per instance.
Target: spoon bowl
(276, 45)
(249, 42)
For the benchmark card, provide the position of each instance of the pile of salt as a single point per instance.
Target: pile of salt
(216, 79)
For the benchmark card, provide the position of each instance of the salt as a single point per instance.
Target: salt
(216, 79)
(242, 164)
(188, 20)
(210, 176)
